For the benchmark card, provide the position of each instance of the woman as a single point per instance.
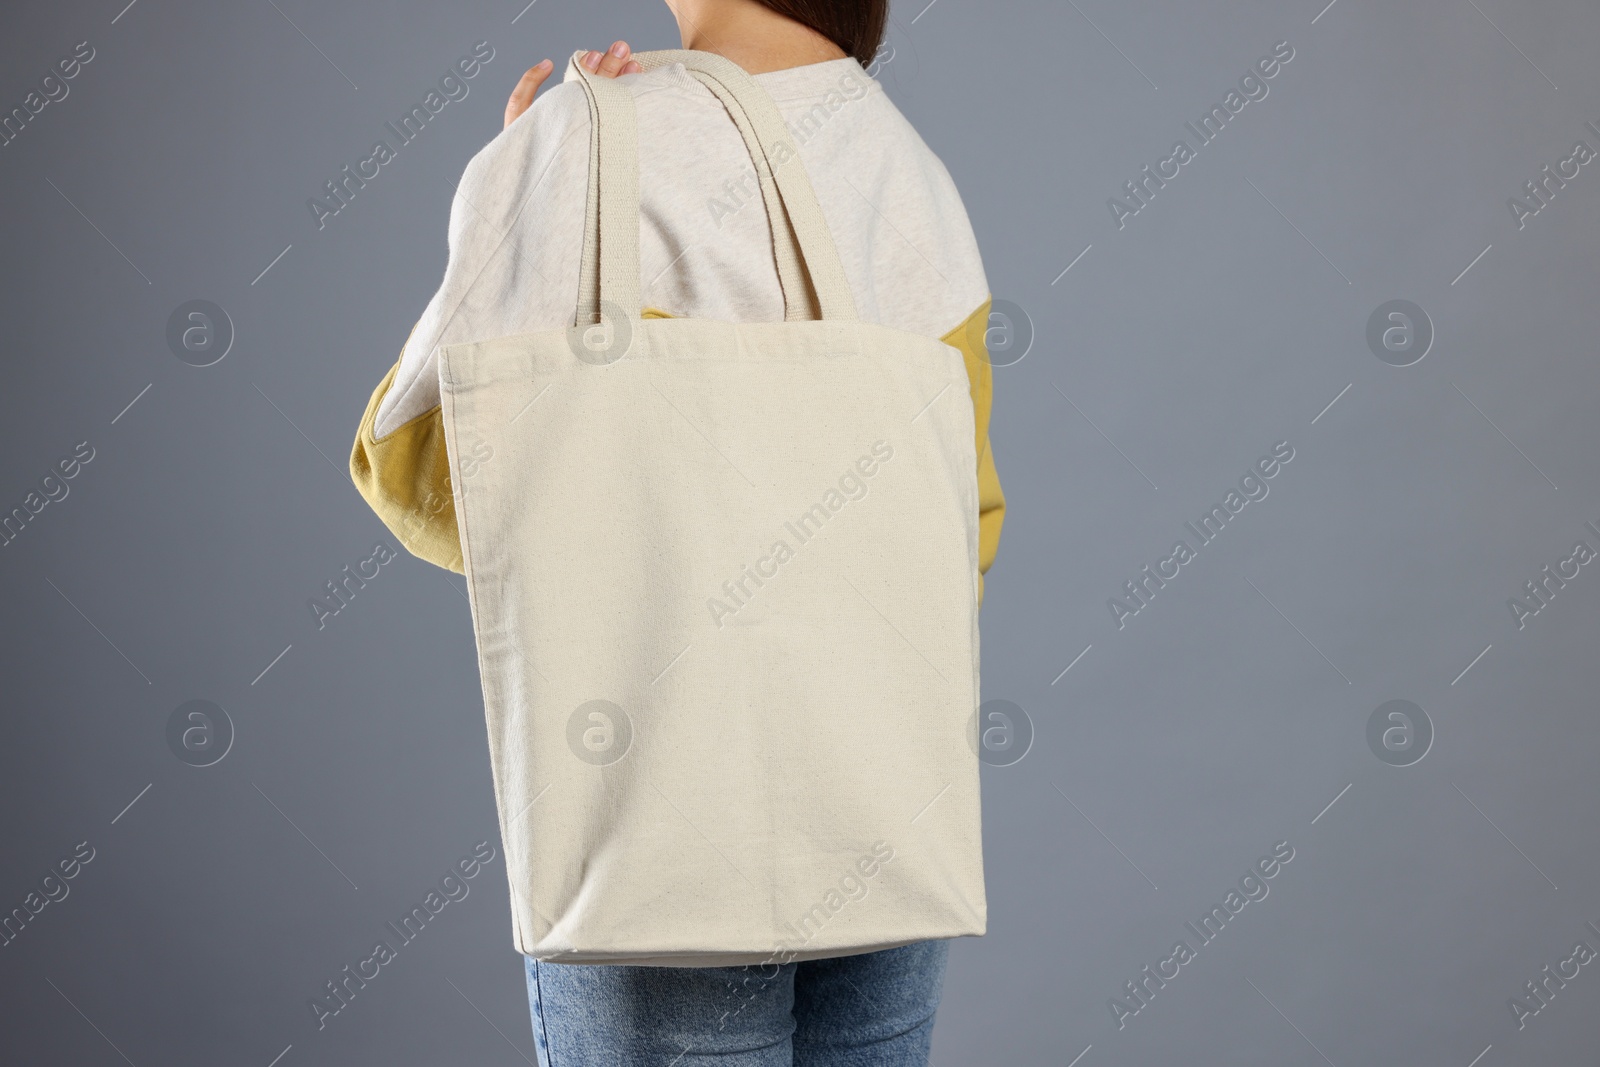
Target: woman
(706, 251)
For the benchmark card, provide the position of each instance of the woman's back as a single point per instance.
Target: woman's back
(546, 519)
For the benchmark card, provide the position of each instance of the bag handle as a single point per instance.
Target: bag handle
(609, 268)
(795, 195)
(799, 300)
(802, 243)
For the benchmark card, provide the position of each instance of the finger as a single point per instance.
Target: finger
(522, 95)
(632, 67)
(611, 63)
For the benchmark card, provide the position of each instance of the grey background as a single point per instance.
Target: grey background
(1227, 716)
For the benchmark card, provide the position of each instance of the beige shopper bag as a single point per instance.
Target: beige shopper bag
(724, 583)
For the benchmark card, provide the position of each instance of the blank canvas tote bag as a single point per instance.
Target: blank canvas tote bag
(723, 580)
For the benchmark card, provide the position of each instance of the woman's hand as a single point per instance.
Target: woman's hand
(610, 64)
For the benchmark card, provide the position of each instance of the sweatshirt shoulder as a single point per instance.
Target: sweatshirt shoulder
(940, 185)
(911, 191)
(547, 143)
(556, 124)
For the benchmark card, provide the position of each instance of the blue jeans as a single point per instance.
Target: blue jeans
(870, 1010)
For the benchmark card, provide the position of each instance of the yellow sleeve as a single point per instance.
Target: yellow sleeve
(969, 338)
(405, 478)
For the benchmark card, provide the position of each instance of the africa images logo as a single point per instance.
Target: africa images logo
(341, 990)
(1252, 86)
(1253, 487)
(1252, 888)
(452, 86)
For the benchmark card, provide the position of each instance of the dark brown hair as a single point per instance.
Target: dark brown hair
(856, 26)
